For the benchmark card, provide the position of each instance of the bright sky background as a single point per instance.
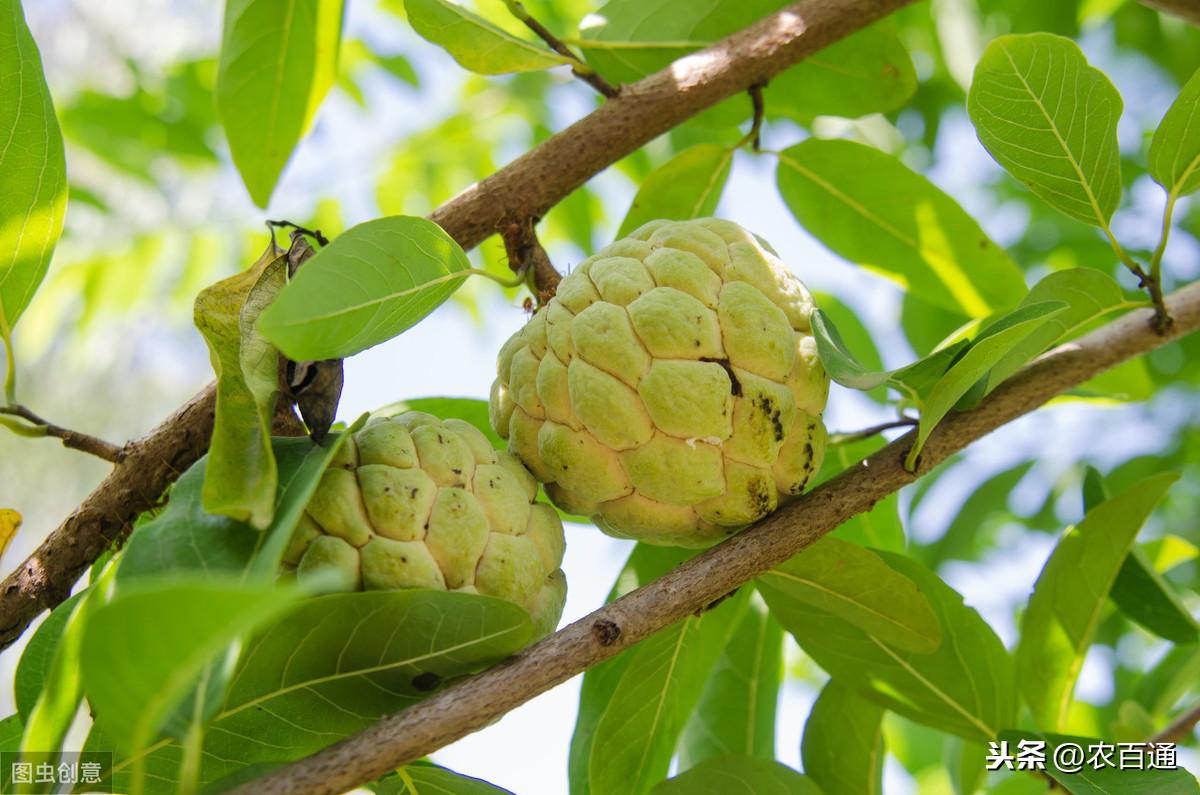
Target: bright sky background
(134, 371)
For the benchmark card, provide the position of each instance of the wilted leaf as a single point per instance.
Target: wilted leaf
(1070, 593)
(965, 687)
(842, 747)
(370, 653)
(876, 212)
(277, 63)
(474, 42)
(736, 713)
(687, 186)
(737, 774)
(241, 475)
(854, 584)
(1051, 120)
(33, 179)
(1175, 148)
(370, 284)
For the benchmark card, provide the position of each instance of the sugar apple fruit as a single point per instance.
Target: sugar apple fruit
(671, 388)
(414, 501)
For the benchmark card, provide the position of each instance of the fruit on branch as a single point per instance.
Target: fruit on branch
(671, 389)
(414, 501)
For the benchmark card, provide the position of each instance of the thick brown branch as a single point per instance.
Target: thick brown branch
(473, 703)
(527, 187)
(72, 439)
(1179, 729)
(1188, 10)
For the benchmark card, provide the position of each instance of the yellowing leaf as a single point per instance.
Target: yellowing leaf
(10, 520)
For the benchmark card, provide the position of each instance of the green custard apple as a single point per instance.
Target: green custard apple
(671, 388)
(414, 501)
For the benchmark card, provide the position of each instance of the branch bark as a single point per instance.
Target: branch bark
(1187, 10)
(473, 703)
(527, 187)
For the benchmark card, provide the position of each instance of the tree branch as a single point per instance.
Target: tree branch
(1187, 10)
(72, 439)
(578, 68)
(473, 703)
(1179, 729)
(527, 187)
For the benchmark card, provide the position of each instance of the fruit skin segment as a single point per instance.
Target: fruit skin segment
(671, 388)
(414, 501)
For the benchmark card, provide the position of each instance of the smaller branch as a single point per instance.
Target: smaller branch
(72, 439)
(1151, 282)
(1186, 10)
(527, 257)
(315, 234)
(1179, 729)
(580, 69)
(866, 433)
(754, 137)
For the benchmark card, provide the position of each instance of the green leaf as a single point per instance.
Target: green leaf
(33, 172)
(1171, 677)
(636, 735)
(876, 212)
(971, 530)
(687, 186)
(842, 747)
(736, 713)
(10, 733)
(369, 653)
(992, 344)
(33, 669)
(879, 527)
(145, 648)
(734, 775)
(474, 42)
(1089, 294)
(241, 476)
(426, 779)
(373, 282)
(1144, 596)
(600, 684)
(278, 60)
(1104, 780)
(1175, 147)
(856, 585)
(1050, 120)
(965, 687)
(1070, 593)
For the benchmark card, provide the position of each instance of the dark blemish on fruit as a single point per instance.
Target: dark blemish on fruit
(735, 386)
(760, 498)
(413, 492)
(403, 559)
(456, 471)
(772, 413)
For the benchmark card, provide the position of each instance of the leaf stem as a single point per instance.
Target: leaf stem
(753, 138)
(580, 69)
(1152, 281)
(10, 373)
(836, 439)
(74, 440)
(515, 281)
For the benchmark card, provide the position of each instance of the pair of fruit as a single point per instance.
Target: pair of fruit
(670, 391)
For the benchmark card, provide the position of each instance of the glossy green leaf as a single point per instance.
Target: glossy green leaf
(370, 284)
(474, 42)
(971, 529)
(240, 476)
(38, 656)
(645, 563)
(1051, 120)
(145, 648)
(992, 344)
(738, 775)
(427, 779)
(1171, 677)
(1110, 779)
(370, 653)
(965, 687)
(33, 179)
(842, 748)
(278, 60)
(1175, 147)
(10, 733)
(876, 212)
(659, 688)
(687, 186)
(736, 713)
(879, 527)
(856, 585)
(1089, 294)
(1070, 594)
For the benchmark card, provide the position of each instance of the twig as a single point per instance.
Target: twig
(1151, 282)
(527, 257)
(866, 433)
(72, 439)
(475, 702)
(1187, 10)
(578, 68)
(1179, 729)
(527, 187)
(754, 137)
